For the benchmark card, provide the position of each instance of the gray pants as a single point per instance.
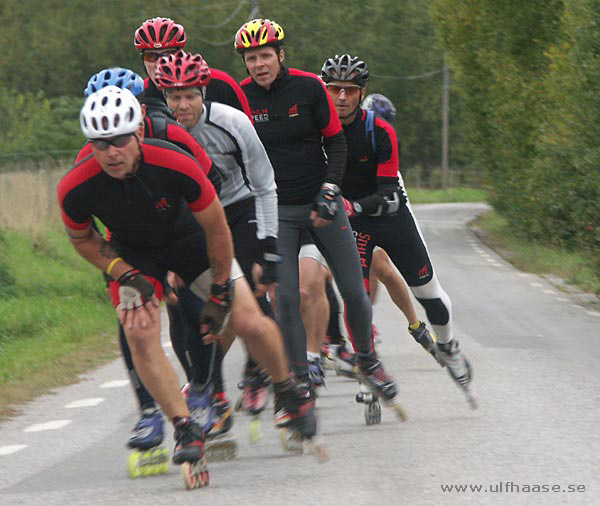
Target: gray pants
(337, 244)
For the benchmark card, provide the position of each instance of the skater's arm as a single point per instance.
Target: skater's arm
(219, 243)
(94, 248)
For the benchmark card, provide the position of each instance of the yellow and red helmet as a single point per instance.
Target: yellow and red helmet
(258, 33)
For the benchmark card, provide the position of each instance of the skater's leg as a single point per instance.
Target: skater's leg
(145, 400)
(142, 329)
(395, 285)
(314, 305)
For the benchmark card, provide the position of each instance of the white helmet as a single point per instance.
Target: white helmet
(109, 112)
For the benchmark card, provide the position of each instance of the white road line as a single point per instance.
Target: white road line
(9, 449)
(549, 292)
(561, 299)
(593, 313)
(85, 403)
(497, 265)
(537, 285)
(523, 274)
(167, 344)
(53, 425)
(115, 384)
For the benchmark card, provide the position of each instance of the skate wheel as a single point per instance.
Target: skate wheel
(254, 430)
(238, 404)
(221, 450)
(291, 441)
(373, 413)
(400, 413)
(195, 474)
(132, 465)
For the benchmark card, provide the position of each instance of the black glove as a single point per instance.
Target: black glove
(269, 258)
(325, 204)
(134, 290)
(217, 309)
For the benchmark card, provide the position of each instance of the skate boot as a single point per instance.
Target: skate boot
(345, 362)
(189, 452)
(199, 402)
(254, 400)
(422, 335)
(316, 377)
(458, 368)
(149, 457)
(299, 404)
(221, 443)
(373, 378)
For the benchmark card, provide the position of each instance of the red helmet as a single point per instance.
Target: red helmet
(182, 70)
(258, 32)
(159, 33)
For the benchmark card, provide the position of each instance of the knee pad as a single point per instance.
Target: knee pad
(437, 311)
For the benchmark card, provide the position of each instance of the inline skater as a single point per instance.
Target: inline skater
(377, 207)
(148, 432)
(248, 194)
(297, 123)
(163, 214)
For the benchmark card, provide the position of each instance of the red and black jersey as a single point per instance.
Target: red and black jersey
(147, 209)
(291, 119)
(366, 169)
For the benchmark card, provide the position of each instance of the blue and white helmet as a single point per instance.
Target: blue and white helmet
(381, 106)
(116, 76)
(109, 112)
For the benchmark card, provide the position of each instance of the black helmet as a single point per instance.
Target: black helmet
(345, 68)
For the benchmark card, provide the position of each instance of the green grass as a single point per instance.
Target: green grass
(575, 268)
(427, 196)
(56, 319)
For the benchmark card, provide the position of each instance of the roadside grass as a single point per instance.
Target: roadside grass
(458, 194)
(578, 269)
(56, 320)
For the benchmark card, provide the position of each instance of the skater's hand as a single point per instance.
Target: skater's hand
(135, 290)
(326, 206)
(262, 283)
(174, 282)
(216, 311)
(140, 317)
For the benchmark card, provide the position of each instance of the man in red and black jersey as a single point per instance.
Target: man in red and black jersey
(164, 216)
(377, 207)
(297, 123)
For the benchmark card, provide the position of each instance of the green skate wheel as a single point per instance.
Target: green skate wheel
(132, 465)
(255, 431)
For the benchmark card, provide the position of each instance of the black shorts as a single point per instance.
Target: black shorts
(399, 237)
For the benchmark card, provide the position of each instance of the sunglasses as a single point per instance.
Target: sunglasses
(120, 141)
(153, 57)
(350, 91)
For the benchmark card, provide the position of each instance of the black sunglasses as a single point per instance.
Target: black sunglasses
(119, 141)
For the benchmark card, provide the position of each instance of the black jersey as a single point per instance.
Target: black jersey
(365, 168)
(148, 209)
(291, 119)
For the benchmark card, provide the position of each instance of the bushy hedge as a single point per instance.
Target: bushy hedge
(529, 77)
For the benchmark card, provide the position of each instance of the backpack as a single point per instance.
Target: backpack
(370, 129)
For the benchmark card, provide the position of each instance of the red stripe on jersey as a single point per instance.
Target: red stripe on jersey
(388, 168)
(246, 81)
(174, 160)
(178, 134)
(83, 171)
(149, 131)
(226, 78)
(334, 126)
(86, 150)
(146, 83)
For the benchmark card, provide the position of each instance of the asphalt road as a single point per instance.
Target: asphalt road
(534, 439)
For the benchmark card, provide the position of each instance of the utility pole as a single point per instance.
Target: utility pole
(445, 100)
(255, 9)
